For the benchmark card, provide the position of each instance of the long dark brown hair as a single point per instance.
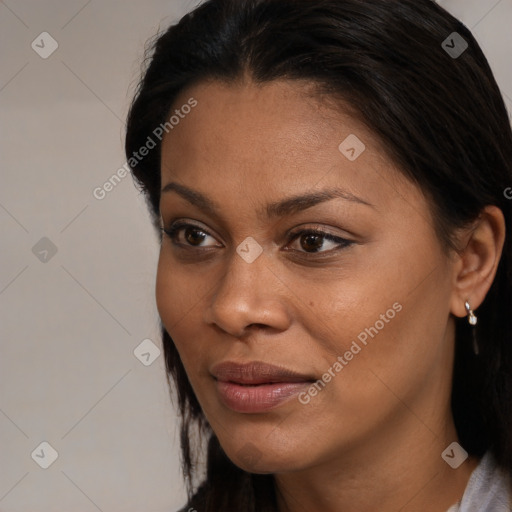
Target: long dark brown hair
(445, 125)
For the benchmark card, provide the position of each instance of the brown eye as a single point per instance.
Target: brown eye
(193, 236)
(312, 241)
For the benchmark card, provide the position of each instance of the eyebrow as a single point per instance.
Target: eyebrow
(287, 206)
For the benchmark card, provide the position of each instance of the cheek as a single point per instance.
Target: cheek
(174, 300)
(395, 347)
(178, 289)
(167, 292)
(389, 319)
(337, 307)
(179, 294)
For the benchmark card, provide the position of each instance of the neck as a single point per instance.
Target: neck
(401, 470)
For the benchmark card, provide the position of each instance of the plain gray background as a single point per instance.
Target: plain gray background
(71, 319)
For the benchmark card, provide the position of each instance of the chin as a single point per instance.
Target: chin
(263, 457)
(266, 464)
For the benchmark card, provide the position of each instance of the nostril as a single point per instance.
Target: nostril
(258, 326)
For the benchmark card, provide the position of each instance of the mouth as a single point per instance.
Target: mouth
(256, 386)
(256, 373)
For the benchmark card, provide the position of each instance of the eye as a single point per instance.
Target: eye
(313, 240)
(192, 234)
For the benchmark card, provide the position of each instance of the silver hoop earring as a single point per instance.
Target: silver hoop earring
(472, 319)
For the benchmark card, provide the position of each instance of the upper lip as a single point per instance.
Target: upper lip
(256, 372)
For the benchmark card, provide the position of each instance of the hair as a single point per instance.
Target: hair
(444, 124)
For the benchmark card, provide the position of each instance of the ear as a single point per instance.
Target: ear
(477, 262)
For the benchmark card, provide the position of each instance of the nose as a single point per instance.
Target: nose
(249, 295)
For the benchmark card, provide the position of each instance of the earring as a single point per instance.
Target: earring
(472, 319)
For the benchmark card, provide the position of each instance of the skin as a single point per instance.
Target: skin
(372, 438)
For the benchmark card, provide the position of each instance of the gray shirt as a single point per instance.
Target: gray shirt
(488, 489)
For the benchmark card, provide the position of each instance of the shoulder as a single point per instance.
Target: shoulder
(489, 488)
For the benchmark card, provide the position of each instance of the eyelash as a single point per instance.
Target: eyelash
(342, 242)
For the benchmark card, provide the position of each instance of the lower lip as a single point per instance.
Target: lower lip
(253, 399)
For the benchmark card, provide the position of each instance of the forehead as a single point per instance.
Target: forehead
(282, 114)
(272, 140)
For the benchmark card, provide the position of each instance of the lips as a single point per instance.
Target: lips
(257, 387)
(255, 373)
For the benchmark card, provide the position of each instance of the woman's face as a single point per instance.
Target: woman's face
(364, 314)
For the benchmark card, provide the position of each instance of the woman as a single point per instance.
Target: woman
(335, 274)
